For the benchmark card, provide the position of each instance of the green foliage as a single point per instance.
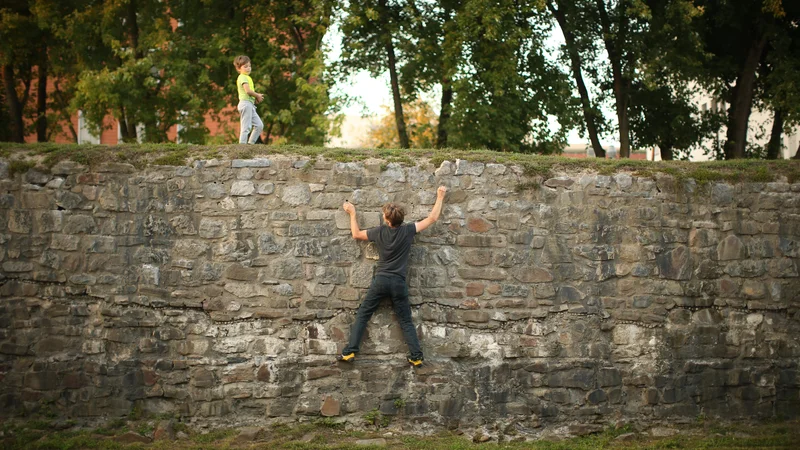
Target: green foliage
(375, 418)
(328, 422)
(751, 54)
(507, 89)
(176, 158)
(399, 403)
(527, 186)
(136, 413)
(708, 434)
(212, 436)
(111, 428)
(488, 57)
(664, 116)
(145, 428)
(19, 166)
(151, 65)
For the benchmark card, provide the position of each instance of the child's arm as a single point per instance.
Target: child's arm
(252, 93)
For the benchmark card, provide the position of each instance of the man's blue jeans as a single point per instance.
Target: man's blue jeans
(396, 289)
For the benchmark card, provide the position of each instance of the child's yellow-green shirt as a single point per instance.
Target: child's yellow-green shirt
(242, 94)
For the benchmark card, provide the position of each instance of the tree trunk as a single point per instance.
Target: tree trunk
(133, 30)
(269, 132)
(776, 136)
(126, 130)
(398, 102)
(742, 101)
(621, 84)
(41, 101)
(447, 86)
(797, 153)
(589, 113)
(444, 113)
(14, 105)
(392, 62)
(621, 92)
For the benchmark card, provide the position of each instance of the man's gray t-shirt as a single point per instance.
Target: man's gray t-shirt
(394, 247)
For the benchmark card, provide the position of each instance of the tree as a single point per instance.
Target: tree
(564, 11)
(368, 44)
(5, 120)
(618, 27)
(662, 111)
(432, 40)
(778, 89)
(139, 84)
(20, 50)
(664, 116)
(170, 63)
(736, 36)
(422, 126)
(284, 41)
(507, 91)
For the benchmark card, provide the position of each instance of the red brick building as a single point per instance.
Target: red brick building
(110, 135)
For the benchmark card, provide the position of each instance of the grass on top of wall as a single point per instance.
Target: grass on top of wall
(21, 157)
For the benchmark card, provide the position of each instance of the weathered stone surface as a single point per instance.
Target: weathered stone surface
(564, 182)
(330, 407)
(532, 275)
(243, 188)
(296, 195)
(164, 431)
(212, 228)
(259, 162)
(221, 292)
(464, 167)
(730, 248)
(481, 241)
(675, 264)
(721, 194)
(479, 225)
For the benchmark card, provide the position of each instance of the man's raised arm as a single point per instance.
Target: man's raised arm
(435, 211)
(355, 231)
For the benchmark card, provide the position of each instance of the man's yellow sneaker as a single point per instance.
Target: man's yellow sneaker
(346, 358)
(415, 362)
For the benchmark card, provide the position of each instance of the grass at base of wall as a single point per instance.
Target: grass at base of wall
(326, 434)
(24, 156)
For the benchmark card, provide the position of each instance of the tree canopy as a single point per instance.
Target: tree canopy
(510, 75)
(153, 64)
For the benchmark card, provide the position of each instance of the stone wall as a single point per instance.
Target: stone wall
(222, 291)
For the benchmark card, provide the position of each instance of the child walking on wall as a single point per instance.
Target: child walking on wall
(251, 124)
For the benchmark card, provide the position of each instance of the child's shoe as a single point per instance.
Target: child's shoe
(415, 362)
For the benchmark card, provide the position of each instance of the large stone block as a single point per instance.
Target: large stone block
(675, 264)
(469, 240)
(731, 248)
(213, 228)
(482, 274)
(20, 221)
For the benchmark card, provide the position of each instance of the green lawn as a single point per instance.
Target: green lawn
(326, 434)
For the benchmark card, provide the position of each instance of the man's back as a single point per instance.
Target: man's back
(394, 247)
